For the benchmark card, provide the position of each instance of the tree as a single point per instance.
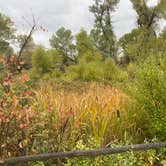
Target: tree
(5, 48)
(149, 16)
(136, 48)
(84, 43)
(102, 33)
(41, 61)
(130, 44)
(62, 41)
(143, 40)
(28, 50)
(6, 34)
(26, 39)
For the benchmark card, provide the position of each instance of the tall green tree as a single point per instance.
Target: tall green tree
(6, 34)
(136, 48)
(41, 61)
(143, 40)
(102, 33)
(84, 43)
(131, 45)
(62, 41)
(148, 17)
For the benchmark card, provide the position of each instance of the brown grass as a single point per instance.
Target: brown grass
(92, 110)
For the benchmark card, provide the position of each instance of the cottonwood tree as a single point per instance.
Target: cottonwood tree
(62, 41)
(143, 40)
(148, 17)
(84, 43)
(102, 32)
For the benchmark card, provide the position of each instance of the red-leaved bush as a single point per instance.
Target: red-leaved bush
(15, 110)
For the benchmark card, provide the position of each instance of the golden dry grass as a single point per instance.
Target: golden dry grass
(92, 110)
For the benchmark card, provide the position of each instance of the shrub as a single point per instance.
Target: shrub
(149, 97)
(15, 114)
(93, 68)
(41, 61)
(125, 159)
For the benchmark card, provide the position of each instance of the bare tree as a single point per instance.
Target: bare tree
(33, 29)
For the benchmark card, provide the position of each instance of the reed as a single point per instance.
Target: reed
(97, 111)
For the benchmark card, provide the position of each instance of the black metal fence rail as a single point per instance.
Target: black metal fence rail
(88, 153)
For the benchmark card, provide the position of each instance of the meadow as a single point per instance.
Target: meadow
(87, 90)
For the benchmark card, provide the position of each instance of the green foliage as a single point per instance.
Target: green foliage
(26, 56)
(139, 44)
(41, 61)
(102, 33)
(130, 44)
(55, 58)
(163, 34)
(62, 41)
(149, 97)
(84, 43)
(143, 41)
(93, 68)
(6, 27)
(5, 48)
(125, 159)
(149, 16)
(6, 33)
(51, 118)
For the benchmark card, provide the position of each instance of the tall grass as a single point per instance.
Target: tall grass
(97, 111)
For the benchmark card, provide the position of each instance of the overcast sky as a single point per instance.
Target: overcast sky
(72, 14)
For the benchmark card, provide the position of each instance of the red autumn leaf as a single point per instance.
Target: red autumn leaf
(5, 83)
(15, 102)
(69, 114)
(28, 93)
(8, 94)
(7, 120)
(25, 78)
(3, 104)
(10, 83)
(50, 109)
(21, 126)
(43, 29)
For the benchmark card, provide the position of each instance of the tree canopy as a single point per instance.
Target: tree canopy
(6, 34)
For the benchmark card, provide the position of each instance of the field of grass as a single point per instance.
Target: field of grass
(62, 117)
(93, 110)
